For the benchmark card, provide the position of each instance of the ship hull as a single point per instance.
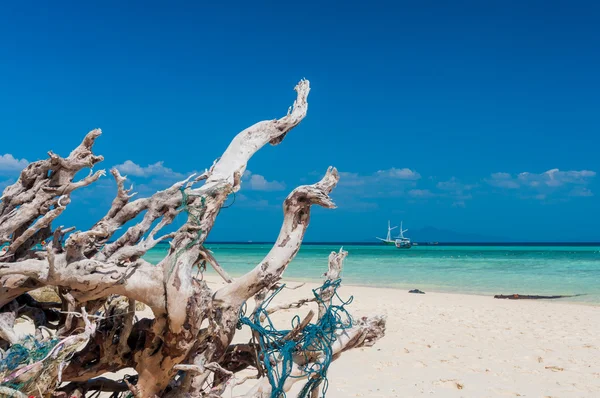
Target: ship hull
(403, 244)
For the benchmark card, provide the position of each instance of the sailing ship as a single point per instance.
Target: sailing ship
(388, 240)
(402, 242)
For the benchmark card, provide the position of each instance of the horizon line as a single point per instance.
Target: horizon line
(430, 243)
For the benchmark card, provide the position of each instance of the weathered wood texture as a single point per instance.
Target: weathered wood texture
(104, 273)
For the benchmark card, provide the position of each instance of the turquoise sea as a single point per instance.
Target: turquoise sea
(484, 270)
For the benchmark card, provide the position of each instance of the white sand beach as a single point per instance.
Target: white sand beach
(452, 345)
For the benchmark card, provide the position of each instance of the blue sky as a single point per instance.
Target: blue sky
(480, 117)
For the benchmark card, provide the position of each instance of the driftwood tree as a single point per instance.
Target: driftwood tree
(187, 349)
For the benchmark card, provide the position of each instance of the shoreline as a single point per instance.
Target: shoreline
(425, 244)
(481, 295)
(404, 288)
(478, 271)
(565, 300)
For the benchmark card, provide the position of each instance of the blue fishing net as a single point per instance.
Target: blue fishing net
(314, 341)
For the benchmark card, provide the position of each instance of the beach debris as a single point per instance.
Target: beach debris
(187, 349)
(417, 291)
(451, 382)
(555, 368)
(278, 347)
(530, 297)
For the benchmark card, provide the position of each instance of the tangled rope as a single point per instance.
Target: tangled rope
(27, 352)
(315, 341)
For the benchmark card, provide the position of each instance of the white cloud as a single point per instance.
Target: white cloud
(421, 193)
(401, 174)
(387, 179)
(453, 185)
(407, 183)
(503, 180)
(543, 184)
(256, 182)
(157, 169)
(9, 163)
(556, 178)
(356, 191)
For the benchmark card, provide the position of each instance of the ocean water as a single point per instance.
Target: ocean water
(484, 270)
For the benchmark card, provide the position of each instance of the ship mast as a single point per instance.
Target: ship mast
(389, 234)
(402, 231)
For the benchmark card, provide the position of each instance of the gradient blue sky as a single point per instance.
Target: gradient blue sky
(432, 110)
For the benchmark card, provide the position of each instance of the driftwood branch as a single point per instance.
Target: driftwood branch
(296, 218)
(186, 349)
(529, 297)
(335, 265)
(207, 255)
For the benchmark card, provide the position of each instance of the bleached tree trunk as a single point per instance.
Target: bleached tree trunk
(193, 326)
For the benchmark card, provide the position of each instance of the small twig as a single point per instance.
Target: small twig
(296, 330)
(295, 304)
(279, 286)
(213, 367)
(245, 379)
(47, 329)
(295, 287)
(216, 266)
(189, 368)
(78, 315)
(259, 367)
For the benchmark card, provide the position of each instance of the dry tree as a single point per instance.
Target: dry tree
(99, 274)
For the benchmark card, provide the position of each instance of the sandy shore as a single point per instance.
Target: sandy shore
(451, 345)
